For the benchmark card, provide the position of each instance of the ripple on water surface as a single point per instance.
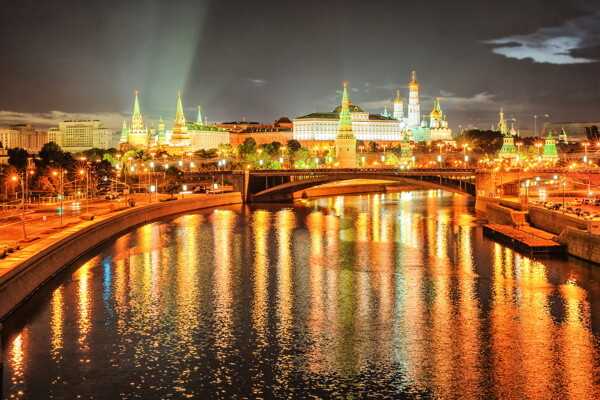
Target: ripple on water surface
(380, 296)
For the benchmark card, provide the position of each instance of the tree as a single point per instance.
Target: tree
(293, 145)
(52, 154)
(172, 180)
(277, 145)
(592, 133)
(17, 157)
(269, 149)
(373, 146)
(247, 147)
(391, 159)
(302, 154)
(274, 164)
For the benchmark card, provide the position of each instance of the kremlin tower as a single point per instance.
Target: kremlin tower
(179, 134)
(136, 135)
(345, 142)
(502, 127)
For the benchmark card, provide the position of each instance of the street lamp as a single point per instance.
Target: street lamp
(585, 147)
(23, 188)
(62, 195)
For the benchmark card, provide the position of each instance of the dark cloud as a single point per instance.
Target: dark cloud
(553, 45)
(264, 59)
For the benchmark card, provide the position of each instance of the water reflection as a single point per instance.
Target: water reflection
(354, 297)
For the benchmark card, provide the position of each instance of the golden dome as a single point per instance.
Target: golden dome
(398, 100)
(413, 82)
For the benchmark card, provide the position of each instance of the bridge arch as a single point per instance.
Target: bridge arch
(285, 191)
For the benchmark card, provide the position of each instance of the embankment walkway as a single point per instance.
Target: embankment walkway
(24, 271)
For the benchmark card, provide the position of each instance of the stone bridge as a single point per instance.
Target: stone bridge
(280, 185)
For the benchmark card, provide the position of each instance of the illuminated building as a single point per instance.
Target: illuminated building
(345, 141)
(136, 134)
(398, 107)
(323, 126)
(81, 135)
(205, 137)
(576, 131)
(509, 150)
(433, 128)
(23, 136)
(279, 131)
(550, 153)
(183, 137)
(414, 108)
(179, 133)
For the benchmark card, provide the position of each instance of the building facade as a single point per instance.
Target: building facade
(81, 135)
(574, 131)
(23, 136)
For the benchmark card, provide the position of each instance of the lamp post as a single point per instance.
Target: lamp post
(585, 147)
(16, 178)
(62, 195)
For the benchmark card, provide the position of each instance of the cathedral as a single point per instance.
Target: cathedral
(319, 127)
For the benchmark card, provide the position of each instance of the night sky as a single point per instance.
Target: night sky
(265, 59)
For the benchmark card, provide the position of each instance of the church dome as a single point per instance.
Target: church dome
(434, 114)
(352, 107)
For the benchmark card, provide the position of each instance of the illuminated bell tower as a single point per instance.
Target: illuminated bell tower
(345, 141)
(435, 116)
(398, 107)
(179, 134)
(414, 109)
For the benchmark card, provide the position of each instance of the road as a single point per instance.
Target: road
(41, 220)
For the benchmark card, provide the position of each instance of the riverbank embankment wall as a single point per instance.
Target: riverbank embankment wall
(38, 262)
(554, 222)
(581, 244)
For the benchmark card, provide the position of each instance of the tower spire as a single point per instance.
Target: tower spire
(136, 105)
(345, 120)
(501, 123)
(179, 134)
(345, 142)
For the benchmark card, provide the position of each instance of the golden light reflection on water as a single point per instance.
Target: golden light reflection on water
(57, 321)
(261, 223)
(285, 221)
(82, 276)
(351, 297)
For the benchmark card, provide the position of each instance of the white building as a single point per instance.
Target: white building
(367, 127)
(81, 135)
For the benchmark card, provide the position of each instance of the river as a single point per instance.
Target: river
(384, 296)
